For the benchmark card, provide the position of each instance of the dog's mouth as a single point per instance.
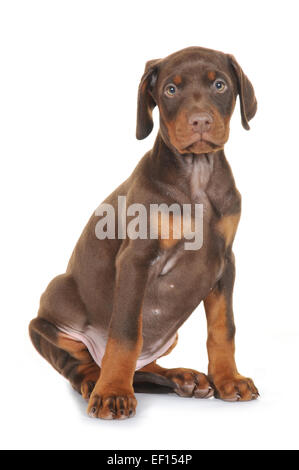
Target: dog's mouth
(199, 144)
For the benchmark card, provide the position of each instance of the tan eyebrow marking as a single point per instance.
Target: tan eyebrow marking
(177, 80)
(211, 75)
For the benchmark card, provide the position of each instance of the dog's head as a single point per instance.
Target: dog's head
(195, 90)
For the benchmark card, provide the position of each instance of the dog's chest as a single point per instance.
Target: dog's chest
(196, 220)
(200, 176)
(178, 278)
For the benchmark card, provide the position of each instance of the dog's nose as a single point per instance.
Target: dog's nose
(201, 122)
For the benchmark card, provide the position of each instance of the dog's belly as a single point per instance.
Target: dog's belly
(96, 341)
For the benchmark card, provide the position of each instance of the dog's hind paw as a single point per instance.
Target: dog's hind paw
(190, 383)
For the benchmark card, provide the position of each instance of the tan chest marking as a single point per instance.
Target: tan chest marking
(227, 226)
(172, 229)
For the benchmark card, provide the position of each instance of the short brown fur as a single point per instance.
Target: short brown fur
(130, 296)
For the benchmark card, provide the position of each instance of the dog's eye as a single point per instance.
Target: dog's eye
(170, 90)
(220, 86)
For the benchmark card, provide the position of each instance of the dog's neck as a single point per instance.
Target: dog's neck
(190, 173)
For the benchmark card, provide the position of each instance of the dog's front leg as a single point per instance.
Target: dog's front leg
(229, 384)
(113, 395)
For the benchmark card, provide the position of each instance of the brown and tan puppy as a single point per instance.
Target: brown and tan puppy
(117, 309)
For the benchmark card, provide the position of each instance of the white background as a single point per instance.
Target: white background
(68, 85)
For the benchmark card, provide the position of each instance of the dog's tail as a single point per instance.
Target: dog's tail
(148, 382)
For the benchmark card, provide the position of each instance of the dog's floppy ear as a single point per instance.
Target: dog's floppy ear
(247, 98)
(146, 102)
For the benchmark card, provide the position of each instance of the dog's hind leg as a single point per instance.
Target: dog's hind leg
(69, 357)
(183, 382)
(61, 305)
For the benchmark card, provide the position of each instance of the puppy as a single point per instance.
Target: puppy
(159, 245)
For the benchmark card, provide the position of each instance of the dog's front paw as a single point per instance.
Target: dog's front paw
(114, 404)
(235, 388)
